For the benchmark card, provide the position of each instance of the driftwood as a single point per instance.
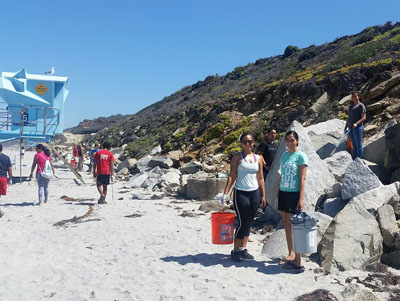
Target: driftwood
(75, 219)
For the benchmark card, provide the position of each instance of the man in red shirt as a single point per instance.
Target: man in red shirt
(103, 170)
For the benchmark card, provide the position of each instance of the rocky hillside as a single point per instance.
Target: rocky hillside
(307, 85)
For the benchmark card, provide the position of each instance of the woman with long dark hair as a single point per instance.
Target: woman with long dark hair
(291, 193)
(247, 170)
(39, 161)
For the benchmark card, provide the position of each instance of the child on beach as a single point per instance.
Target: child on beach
(103, 170)
(39, 161)
(247, 170)
(291, 193)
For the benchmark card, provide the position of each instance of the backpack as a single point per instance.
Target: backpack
(47, 172)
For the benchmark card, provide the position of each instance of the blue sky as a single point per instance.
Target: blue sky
(122, 56)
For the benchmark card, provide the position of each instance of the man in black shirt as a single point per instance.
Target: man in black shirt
(268, 149)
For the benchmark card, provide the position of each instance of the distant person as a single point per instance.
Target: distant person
(5, 167)
(42, 155)
(268, 149)
(246, 169)
(103, 170)
(291, 193)
(78, 156)
(92, 152)
(357, 115)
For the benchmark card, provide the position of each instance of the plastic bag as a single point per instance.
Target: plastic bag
(47, 172)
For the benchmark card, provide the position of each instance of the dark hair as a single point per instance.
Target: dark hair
(243, 135)
(106, 144)
(1, 147)
(43, 149)
(359, 95)
(295, 135)
(271, 129)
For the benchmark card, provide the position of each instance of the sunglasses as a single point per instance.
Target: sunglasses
(247, 141)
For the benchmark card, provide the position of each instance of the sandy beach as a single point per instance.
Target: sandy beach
(155, 249)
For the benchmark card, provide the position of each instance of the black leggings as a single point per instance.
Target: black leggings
(246, 204)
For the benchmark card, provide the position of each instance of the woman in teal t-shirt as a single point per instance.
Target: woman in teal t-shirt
(291, 193)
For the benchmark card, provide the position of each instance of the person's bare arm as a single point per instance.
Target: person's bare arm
(34, 163)
(363, 117)
(232, 174)
(260, 178)
(10, 175)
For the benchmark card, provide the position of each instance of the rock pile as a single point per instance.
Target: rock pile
(361, 214)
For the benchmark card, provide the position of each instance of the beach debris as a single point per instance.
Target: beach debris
(75, 219)
(70, 199)
(133, 215)
(1, 213)
(319, 294)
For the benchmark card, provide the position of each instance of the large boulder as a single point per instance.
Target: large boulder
(333, 125)
(358, 179)
(333, 206)
(352, 241)
(395, 176)
(387, 222)
(375, 198)
(142, 165)
(356, 292)
(383, 174)
(161, 162)
(320, 103)
(392, 259)
(130, 164)
(384, 86)
(328, 143)
(137, 181)
(204, 189)
(191, 167)
(374, 147)
(392, 147)
(337, 164)
(318, 176)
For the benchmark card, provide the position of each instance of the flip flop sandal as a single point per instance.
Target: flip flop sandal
(292, 266)
(283, 261)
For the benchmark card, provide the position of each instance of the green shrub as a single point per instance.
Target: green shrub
(234, 136)
(343, 116)
(179, 135)
(290, 50)
(167, 147)
(213, 132)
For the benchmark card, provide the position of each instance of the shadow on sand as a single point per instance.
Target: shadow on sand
(208, 260)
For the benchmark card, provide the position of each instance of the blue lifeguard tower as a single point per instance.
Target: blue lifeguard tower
(33, 108)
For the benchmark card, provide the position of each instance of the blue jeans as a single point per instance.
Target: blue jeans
(356, 135)
(43, 185)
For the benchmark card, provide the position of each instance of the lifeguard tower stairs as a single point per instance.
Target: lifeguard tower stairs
(33, 107)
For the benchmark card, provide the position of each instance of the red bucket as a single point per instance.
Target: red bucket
(222, 228)
(73, 162)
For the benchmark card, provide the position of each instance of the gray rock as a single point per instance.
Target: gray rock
(387, 222)
(395, 176)
(191, 167)
(210, 206)
(374, 147)
(161, 162)
(123, 172)
(395, 203)
(136, 182)
(375, 198)
(318, 177)
(334, 191)
(358, 179)
(270, 216)
(355, 292)
(140, 196)
(142, 165)
(320, 103)
(322, 224)
(352, 241)
(384, 86)
(175, 155)
(397, 242)
(156, 172)
(210, 168)
(156, 150)
(333, 125)
(392, 147)
(204, 188)
(276, 246)
(345, 99)
(378, 169)
(130, 164)
(171, 179)
(337, 164)
(328, 143)
(392, 259)
(149, 183)
(333, 206)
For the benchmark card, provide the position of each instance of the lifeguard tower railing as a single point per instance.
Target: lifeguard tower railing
(40, 129)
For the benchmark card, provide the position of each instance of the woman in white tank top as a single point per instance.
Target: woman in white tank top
(246, 169)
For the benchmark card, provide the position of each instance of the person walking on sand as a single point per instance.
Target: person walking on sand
(291, 193)
(92, 152)
(77, 152)
(39, 161)
(103, 170)
(5, 167)
(246, 169)
(268, 149)
(354, 124)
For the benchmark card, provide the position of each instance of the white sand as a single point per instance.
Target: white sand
(158, 256)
